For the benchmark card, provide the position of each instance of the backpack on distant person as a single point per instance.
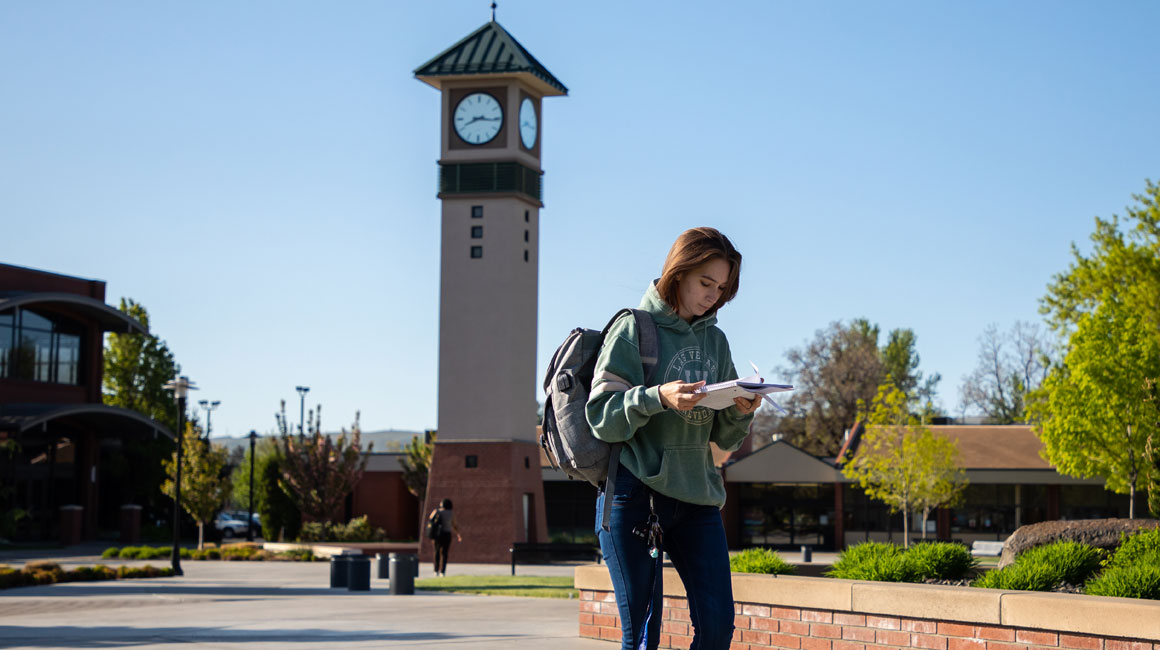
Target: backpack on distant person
(566, 438)
(434, 525)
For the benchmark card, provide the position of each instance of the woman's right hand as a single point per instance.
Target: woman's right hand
(679, 396)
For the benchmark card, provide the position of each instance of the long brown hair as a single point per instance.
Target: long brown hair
(693, 248)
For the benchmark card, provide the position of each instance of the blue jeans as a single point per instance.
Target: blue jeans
(694, 538)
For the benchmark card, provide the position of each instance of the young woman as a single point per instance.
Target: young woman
(443, 542)
(668, 494)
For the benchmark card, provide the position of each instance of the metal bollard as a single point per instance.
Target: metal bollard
(402, 574)
(339, 573)
(807, 553)
(382, 560)
(359, 573)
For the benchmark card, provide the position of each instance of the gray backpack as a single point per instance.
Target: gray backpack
(567, 439)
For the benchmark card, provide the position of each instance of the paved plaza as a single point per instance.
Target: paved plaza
(258, 605)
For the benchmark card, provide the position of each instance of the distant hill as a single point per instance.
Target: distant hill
(387, 441)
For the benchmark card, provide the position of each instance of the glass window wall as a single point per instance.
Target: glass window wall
(38, 347)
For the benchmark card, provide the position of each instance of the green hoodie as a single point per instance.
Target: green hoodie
(667, 449)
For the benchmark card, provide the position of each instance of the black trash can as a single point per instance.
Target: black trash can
(807, 553)
(403, 567)
(384, 566)
(339, 571)
(359, 576)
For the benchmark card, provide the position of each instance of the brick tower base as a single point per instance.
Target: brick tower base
(493, 487)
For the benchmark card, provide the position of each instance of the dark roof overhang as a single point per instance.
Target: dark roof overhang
(110, 319)
(22, 419)
(489, 50)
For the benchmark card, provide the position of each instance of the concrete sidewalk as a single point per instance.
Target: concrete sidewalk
(257, 605)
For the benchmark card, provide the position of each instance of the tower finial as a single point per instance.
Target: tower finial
(493, 11)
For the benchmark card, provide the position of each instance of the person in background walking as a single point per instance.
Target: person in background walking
(446, 527)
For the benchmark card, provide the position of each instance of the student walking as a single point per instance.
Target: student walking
(442, 521)
(668, 493)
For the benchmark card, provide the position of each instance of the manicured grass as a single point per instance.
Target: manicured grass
(525, 586)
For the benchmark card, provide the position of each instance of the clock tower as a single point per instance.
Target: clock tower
(486, 458)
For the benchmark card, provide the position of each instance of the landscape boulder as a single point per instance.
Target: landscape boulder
(1100, 533)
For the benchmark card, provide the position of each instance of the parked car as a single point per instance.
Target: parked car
(240, 515)
(229, 526)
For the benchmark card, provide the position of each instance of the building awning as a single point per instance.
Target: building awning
(109, 318)
(24, 420)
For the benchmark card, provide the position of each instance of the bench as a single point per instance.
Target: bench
(526, 551)
(980, 547)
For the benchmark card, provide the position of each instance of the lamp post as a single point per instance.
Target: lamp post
(250, 520)
(180, 387)
(302, 390)
(209, 407)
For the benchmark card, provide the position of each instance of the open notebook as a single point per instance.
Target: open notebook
(721, 394)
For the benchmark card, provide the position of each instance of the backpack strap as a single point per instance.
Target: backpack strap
(646, 330)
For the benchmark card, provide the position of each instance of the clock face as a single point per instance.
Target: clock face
(478, 118)
(528, 123)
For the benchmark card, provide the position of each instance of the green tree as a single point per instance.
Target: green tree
(318, 471)
(205, 483)
(137, 367)
(1124, 262)
(902, 463)
(10, 516)
(417, 464)
(1093, 412)
(839, 372)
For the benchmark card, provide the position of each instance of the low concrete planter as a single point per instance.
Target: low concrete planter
(829, 614)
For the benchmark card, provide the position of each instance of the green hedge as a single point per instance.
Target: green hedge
(759, 560)
(1133, 571)
(47, 573)
(1045, 567)
(232, 552)
(882, 562)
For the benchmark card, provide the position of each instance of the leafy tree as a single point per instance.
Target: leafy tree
(839, 370)
(902, 463)
(137, 367)
(205, 484)
(417, 464)
(281, 519)
(900, 362)
(318, 471)
(1010, 367)
(1124, 263)
(1093, 413)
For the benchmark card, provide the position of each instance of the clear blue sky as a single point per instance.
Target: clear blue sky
(261, 175)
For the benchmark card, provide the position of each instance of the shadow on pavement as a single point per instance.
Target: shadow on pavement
(119, 636)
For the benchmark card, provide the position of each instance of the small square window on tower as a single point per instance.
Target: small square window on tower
(476, 252)
(477, 212)
(471, 461)
(477, 232)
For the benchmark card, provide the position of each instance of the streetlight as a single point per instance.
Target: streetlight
(302, 390)
(209, 407)
(250, 520)
(180, 387)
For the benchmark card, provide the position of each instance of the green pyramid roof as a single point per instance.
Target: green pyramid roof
(488, 50)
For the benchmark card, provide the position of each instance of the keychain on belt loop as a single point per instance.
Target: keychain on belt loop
(654, 529)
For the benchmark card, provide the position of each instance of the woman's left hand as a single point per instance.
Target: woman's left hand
(747, 406)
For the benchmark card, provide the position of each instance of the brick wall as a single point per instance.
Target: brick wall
(802, 613)
(763, 626)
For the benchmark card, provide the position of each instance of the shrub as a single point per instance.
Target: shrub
(1142, 547)
(43, 573)
(1044, 567)
(241, 553)
(759, 560)
(941, 561)
(147, 571)
(356, 530)
(298, 554)
(90, 574)
(877, 561)
(1139, 581)
(10, 577)
(110, 553)
(314, 531)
